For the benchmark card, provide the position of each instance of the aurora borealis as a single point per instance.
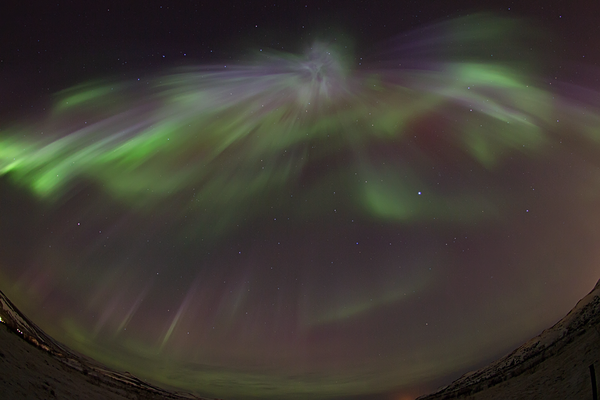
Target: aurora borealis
(312, 224)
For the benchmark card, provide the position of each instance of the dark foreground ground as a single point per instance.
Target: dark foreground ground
(29, 372)
(35, 366)
(557, 364)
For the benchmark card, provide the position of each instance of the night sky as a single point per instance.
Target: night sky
(299, 199)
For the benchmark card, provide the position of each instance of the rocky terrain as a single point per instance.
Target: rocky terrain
(557, 364)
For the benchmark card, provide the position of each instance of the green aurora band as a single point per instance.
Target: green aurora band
(234, 132)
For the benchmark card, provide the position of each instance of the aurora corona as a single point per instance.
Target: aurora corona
(202, 155)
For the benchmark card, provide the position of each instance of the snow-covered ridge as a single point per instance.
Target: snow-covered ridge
(584, 316)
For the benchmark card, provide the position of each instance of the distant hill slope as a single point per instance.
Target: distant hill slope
(553, 365)
(35, 366)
